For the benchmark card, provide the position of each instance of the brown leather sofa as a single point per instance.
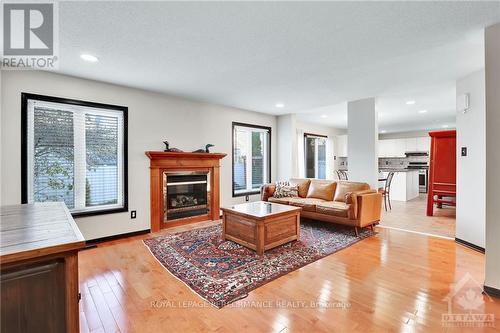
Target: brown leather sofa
(343, 202)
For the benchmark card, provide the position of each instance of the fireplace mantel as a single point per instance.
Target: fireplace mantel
(161, 162)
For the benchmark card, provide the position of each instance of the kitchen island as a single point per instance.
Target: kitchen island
(404, 185)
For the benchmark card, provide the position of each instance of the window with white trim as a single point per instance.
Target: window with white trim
(74, 152)
(251, 158)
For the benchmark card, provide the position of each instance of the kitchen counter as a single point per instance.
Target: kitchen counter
(404, 184)
(396, 170)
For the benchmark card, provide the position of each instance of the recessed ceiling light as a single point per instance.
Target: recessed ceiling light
(383, 131)
(410, 102)
(89, 57)
(445, 126)
(280, 105)
(324, 116)
(422, 111)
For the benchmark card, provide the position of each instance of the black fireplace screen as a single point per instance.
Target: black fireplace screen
(185, 195)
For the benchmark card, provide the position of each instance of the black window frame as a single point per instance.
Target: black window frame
(24, 146)
(251, 192)
(305, 149)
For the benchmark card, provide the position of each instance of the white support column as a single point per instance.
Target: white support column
(492, 69)
(362, 145)
(287, 147)
(471, 191)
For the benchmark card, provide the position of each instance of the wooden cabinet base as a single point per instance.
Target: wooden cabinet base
(261, 234)
(39, 269)
(40, 295)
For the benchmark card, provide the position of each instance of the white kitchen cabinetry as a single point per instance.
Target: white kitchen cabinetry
(398, 147)
(424, 144)
(383, 148)
(341, 146)
(411, 144)
(391, 148)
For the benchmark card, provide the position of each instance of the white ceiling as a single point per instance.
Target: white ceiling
(307, 55)
(394, 114)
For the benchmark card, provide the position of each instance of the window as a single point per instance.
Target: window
(251, 158)
(75, 152)
(315, 156)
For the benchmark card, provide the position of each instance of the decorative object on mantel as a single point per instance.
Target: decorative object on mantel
(222, 272)
(206, 150)
(168, 149)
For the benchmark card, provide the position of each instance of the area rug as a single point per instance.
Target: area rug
(222, 272)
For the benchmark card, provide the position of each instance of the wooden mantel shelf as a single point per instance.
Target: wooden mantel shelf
(161, 162)
(165, 154)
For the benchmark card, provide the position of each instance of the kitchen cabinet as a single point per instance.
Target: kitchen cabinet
(39, 271)
(411, 144)
(398, 147)
(424, 144)
(383, 148)
(391, 148)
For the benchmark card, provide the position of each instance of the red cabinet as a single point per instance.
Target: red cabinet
(442, 170)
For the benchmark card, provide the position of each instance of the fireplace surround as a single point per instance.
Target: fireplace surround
(184, 188)
(185, 194)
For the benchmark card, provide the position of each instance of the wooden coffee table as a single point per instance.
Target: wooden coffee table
(261, 225)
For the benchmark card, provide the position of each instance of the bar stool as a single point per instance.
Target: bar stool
(386, 190)
(341, 174)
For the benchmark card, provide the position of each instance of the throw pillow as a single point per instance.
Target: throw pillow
(303, 185)
(285, 190)
(321, 190)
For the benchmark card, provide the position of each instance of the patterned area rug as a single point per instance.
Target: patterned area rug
(224, 272)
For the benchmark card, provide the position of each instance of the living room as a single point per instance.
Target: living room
(181, 169)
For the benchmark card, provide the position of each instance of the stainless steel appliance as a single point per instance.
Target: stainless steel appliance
(423, 174)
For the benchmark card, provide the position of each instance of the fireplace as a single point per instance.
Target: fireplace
(184, 188)
(185, 194)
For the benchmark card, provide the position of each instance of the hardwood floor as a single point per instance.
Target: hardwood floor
(394, 281)
(410, 215)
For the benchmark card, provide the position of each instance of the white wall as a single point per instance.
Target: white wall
(492, 67)
(328, 131)
(471, 169)
(319, 129)
(152, 118)
(362, 151)
(287, 147)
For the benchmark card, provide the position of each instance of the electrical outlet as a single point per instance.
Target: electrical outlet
(464, 151)
(247, 198)
(133, 214)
